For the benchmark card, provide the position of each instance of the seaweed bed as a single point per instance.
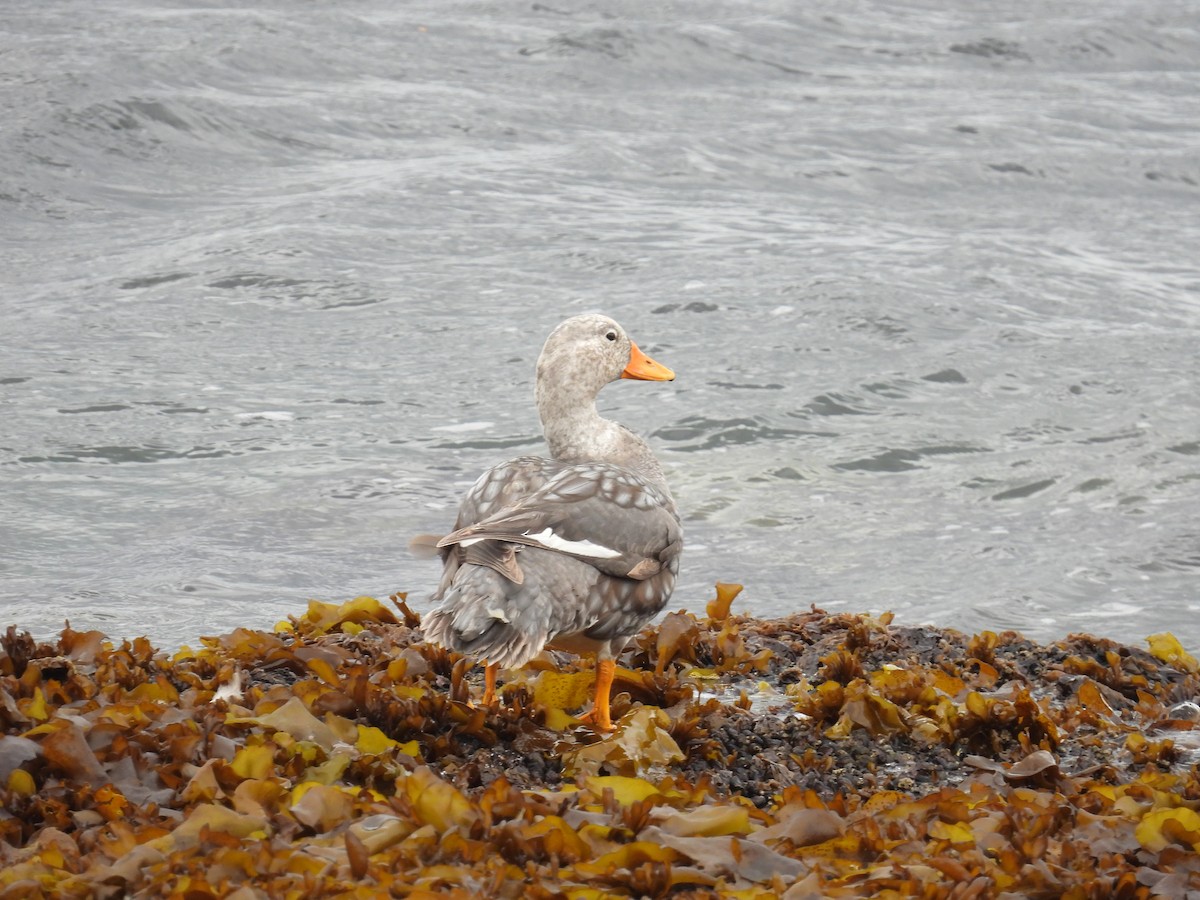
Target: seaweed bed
(812, 756)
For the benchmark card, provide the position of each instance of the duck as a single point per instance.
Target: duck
(576, 551)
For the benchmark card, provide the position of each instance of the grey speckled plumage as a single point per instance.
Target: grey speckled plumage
(578, 551)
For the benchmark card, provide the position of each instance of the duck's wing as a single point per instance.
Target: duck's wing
(601, 514)
(498, 488)
(503, 486)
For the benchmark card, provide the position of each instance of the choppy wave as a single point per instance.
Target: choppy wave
(926, 276)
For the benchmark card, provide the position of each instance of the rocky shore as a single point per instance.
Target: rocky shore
(812, 756)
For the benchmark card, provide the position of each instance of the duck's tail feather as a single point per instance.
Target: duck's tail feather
(425, 546)
(477, 619)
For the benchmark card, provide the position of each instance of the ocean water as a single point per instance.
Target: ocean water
(274, 277)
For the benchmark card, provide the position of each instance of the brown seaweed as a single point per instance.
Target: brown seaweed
(817, 755)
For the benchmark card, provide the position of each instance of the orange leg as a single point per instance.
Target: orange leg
(489, 684)
(599, 716)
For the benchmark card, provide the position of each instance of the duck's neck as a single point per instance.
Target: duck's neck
(577, 433)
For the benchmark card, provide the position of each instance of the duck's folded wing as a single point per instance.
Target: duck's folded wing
(496, 489)
(600, 514)
(503, 486)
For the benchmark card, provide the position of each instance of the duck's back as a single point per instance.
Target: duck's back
(591, 557)
(499, 487)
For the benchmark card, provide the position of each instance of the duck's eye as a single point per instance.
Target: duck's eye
(612, 335)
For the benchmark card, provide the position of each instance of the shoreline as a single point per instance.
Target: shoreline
(817, 755)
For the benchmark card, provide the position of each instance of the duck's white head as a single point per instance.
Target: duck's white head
(580, 357)
(586, 352)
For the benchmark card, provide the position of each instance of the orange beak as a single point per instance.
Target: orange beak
(643, 368)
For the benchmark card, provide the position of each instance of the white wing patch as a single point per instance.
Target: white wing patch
(497, 613)
(551, 541)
